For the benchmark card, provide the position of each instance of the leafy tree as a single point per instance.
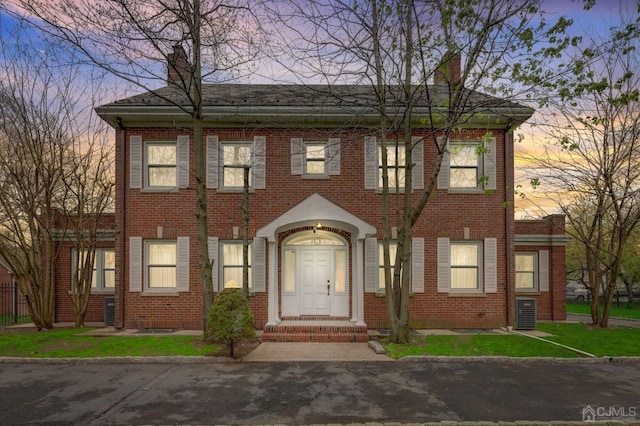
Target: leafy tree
(230, 319)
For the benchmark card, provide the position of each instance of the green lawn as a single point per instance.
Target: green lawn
(615, 341)
(60, 343)
(621, 312)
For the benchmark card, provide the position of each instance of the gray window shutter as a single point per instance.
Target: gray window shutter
(182, 266)
(443, 175)
(135, 264)
(417, 265)
(490, 265)
(297, 156)
(418, 162)
(333, 152)
(258, 265)
(543, 270)
(258, 162)
(371, 265)
(183, 161)
(490, 162)
(444, 265)
(370, 163)
(212, 242)
(212, 162)
(135, 161)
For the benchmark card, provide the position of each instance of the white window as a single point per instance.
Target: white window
(104, 269)
(232, 265)
(160, 162)
(465, 265)
(235, 158)
(393, 248)
(396, 161)
(465, 169)
(161, 264)
(315, 154)
(527, 272)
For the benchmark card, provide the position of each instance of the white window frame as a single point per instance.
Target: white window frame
(307, 159)
(476, 146)
(224, 166)
(99, 269)
(393, 247)
(479, 267)
(225, 266)
(147, 266)
(391, 167)
(535, 273)
(147, 166)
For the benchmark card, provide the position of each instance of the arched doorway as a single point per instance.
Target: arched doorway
(315, 274)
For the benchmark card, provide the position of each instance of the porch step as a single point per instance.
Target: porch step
(315, 329)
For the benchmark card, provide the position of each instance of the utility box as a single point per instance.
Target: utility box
(109, 310)
(526, 315)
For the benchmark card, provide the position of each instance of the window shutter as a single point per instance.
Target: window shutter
(135, 264)
(212, 242)
(182, 266)
(258, 162)
(443, 175)
(489, 158)
(135, 161)
(258, 266)
(417, 265)
(212, 162)
(444, 265)
(543, 270)
(418, 162)
(297, 156)
(333, 152)
(371, 265)
(183, 161)
(370, 163)
(490, 265)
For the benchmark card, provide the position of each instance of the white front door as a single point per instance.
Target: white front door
(315, 281)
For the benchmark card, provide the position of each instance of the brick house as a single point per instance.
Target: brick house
(316, 212)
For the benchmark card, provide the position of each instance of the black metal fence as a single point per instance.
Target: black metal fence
(13, 305)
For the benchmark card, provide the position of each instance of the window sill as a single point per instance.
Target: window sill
(238, 190)
(98, 292)
(156, 190)
(469, 294)
(462, 191)
(315, 177)
(148, 293)
(528, 293)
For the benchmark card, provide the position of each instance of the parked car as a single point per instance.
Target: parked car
(577, 294)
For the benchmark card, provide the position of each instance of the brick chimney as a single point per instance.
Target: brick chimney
(178, 69)
(449, 69)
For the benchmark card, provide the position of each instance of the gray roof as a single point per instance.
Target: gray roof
(270, 103)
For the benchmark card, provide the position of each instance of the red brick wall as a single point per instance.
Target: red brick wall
(550, 305)
(446, 215)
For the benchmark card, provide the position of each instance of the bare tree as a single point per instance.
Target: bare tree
(398, 47)
(200, 39)
(595, 162)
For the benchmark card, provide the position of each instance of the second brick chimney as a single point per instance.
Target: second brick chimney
(178, 69)
(449, 69)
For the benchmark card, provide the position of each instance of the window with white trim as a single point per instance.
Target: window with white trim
(393, 248)
(160, 264)
(526, 272)
(315, 154)
(232, 264)
(104, 269)
(236, 156)
(466, 261)
(396, 166)
(465, 165)
(160, 164)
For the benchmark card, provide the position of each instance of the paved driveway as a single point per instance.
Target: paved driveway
(313, 392)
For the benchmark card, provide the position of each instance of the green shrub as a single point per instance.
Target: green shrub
(230, 319)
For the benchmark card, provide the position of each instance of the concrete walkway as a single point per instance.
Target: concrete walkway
(287, 352)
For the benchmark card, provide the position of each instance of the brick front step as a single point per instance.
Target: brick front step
(315, 330)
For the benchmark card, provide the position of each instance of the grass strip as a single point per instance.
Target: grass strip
(621, 312)
(612, 341)
(66, 343)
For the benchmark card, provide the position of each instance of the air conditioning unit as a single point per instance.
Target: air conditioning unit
(525, 313)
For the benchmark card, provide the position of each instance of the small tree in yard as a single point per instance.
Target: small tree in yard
(230, 319)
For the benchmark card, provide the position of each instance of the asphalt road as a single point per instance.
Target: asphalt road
(313, 392)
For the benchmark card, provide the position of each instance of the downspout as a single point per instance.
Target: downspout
(120, 193)
(508, 217)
